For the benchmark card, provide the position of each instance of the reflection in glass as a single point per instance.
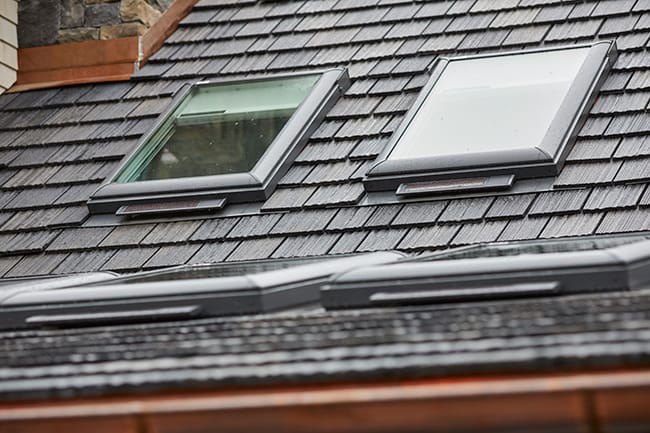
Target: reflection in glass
(491, 104)
(218, 129)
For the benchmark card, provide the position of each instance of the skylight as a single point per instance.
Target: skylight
(507, 114)
(182, 292)
(497, 271)
(218, 129)
(221, 142)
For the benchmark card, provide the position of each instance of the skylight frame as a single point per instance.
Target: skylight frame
(547, 159)
(437, 281)
(128, 300)
(254, 185)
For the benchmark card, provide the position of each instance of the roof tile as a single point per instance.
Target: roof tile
(634, 169)
(33, 241)
(369, 147)
(79, 238)
(254, 225)
(36, 197)
(619, 103)
(30, 176)
(303, 222)
(429, 237)
(510, 206)
(587, 173)
(466, 209)
(435, 9)
(445, 42)
(77, 193)
(33, 265)
(554, 13)
(213, 252)
(574, 30)
(525, 228)
(372, 32)
(171, 255)
(288, 198)
(593, 149)
(350, 217)
(386, 239)
(331, 172)
(383, 215)
(401, 12)
(493, 5)
(302, 246)
(633, 146)
(609, 7)
(620, 221)
(328, 151)
(216, 228)
(83, 261)
(129, 259)
(617, 25)
(69, 215)
(6, 263)
(127, 235)
(485, 39)
(336, 194)
(614, 197)
(559, 201)
(171, 232)
(348, 242)
(251, 249)
(630, 123)
(571, 225)
(419, 213)
(517, 17)
(487, 231)
(582, 10)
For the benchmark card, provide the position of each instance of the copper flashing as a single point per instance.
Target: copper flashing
(95, 61)
(586, 402)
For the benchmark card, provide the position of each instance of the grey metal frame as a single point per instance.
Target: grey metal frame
(545, 160)
(237, 187)
(624, 267)
(123, 302)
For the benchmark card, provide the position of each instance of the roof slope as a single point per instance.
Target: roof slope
(57, 145)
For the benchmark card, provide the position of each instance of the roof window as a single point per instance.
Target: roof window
(219, 142)
(491, 272)
(483, 121)
(189, 291)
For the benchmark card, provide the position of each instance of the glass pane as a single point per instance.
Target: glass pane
(491, 103)
(219, 129)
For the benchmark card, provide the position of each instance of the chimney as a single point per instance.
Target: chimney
(65, 42)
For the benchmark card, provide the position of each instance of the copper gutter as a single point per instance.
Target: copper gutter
(594, 402)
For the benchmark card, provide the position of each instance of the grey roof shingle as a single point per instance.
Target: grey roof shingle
(58, 145)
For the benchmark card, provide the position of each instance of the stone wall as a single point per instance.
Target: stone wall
(48, 22)
(8, 43)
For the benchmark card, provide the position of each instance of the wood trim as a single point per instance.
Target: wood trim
(75, 63)
(154, 38)
(586, 402)
(95, 61)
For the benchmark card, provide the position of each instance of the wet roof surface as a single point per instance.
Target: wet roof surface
(58, 145)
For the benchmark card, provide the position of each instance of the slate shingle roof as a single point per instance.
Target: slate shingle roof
(57, 145)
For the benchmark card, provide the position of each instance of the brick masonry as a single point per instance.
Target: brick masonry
(46, 22)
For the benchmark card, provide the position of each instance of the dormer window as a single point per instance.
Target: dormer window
(220, 142)
(484, 121)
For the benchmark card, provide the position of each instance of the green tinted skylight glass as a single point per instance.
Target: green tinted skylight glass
(218, 129)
